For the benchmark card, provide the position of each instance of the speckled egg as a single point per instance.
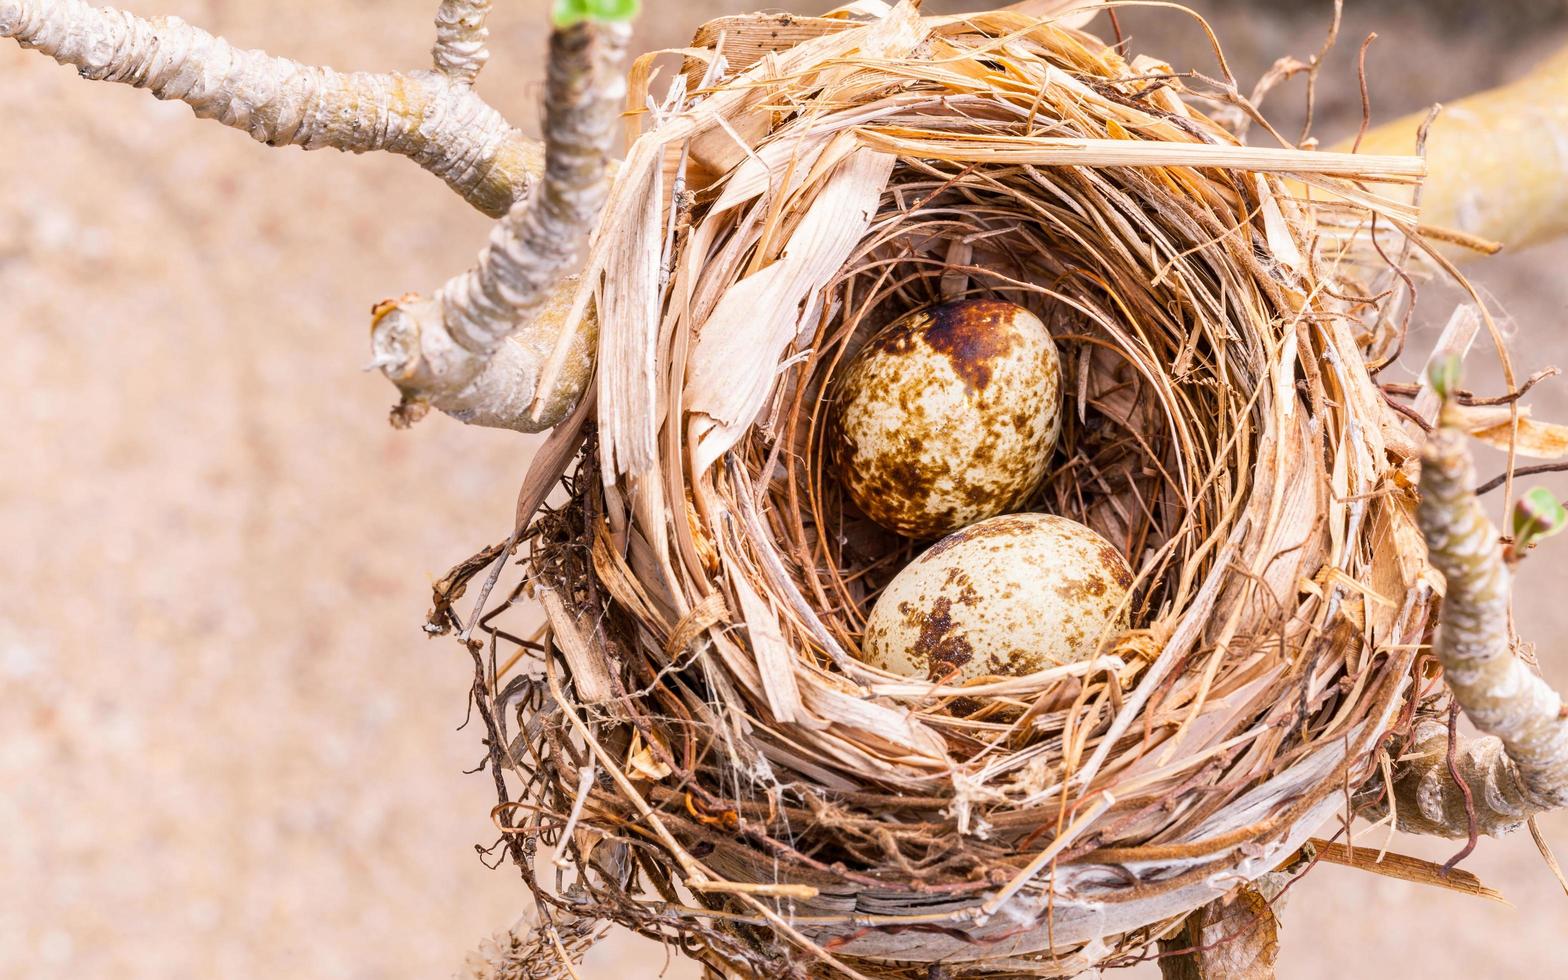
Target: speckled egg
(1008, 596)
(948, 416)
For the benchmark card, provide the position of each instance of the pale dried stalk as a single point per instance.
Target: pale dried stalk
(1048, 151)
(475, 350)
(1521, 767)
(460, 52)
(432, 117)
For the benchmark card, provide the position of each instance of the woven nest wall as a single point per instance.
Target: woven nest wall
(698, 734)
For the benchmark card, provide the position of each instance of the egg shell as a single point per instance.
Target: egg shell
(1009, 596)
(948, 416)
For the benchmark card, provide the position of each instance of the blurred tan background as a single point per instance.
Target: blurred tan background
(226, 750)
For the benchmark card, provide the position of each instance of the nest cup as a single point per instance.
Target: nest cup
(699, 737)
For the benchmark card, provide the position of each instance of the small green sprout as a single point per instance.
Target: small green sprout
(1444, 375)
(569, 13)
(1537, 515)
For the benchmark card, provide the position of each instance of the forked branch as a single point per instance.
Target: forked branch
(476, 349)
(1520, 767)
(432, 117)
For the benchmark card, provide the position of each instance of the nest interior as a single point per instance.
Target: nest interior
(697, 734)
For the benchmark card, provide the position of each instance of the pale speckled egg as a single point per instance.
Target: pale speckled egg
(1008, 596)
(948, 416)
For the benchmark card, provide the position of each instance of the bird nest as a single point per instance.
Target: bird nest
(698, 738)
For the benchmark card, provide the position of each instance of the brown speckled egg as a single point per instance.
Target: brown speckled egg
(1008, 596)
(948, 416)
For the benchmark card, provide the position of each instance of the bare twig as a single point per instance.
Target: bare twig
(1472, 833)
(1366, 95)
(1502, 478)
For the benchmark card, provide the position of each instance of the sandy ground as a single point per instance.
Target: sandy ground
(225, 748)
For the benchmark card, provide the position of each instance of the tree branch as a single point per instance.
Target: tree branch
(460, 52)
(432, 117)
(476, 349)
(1521, 768)
(1495, 170)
